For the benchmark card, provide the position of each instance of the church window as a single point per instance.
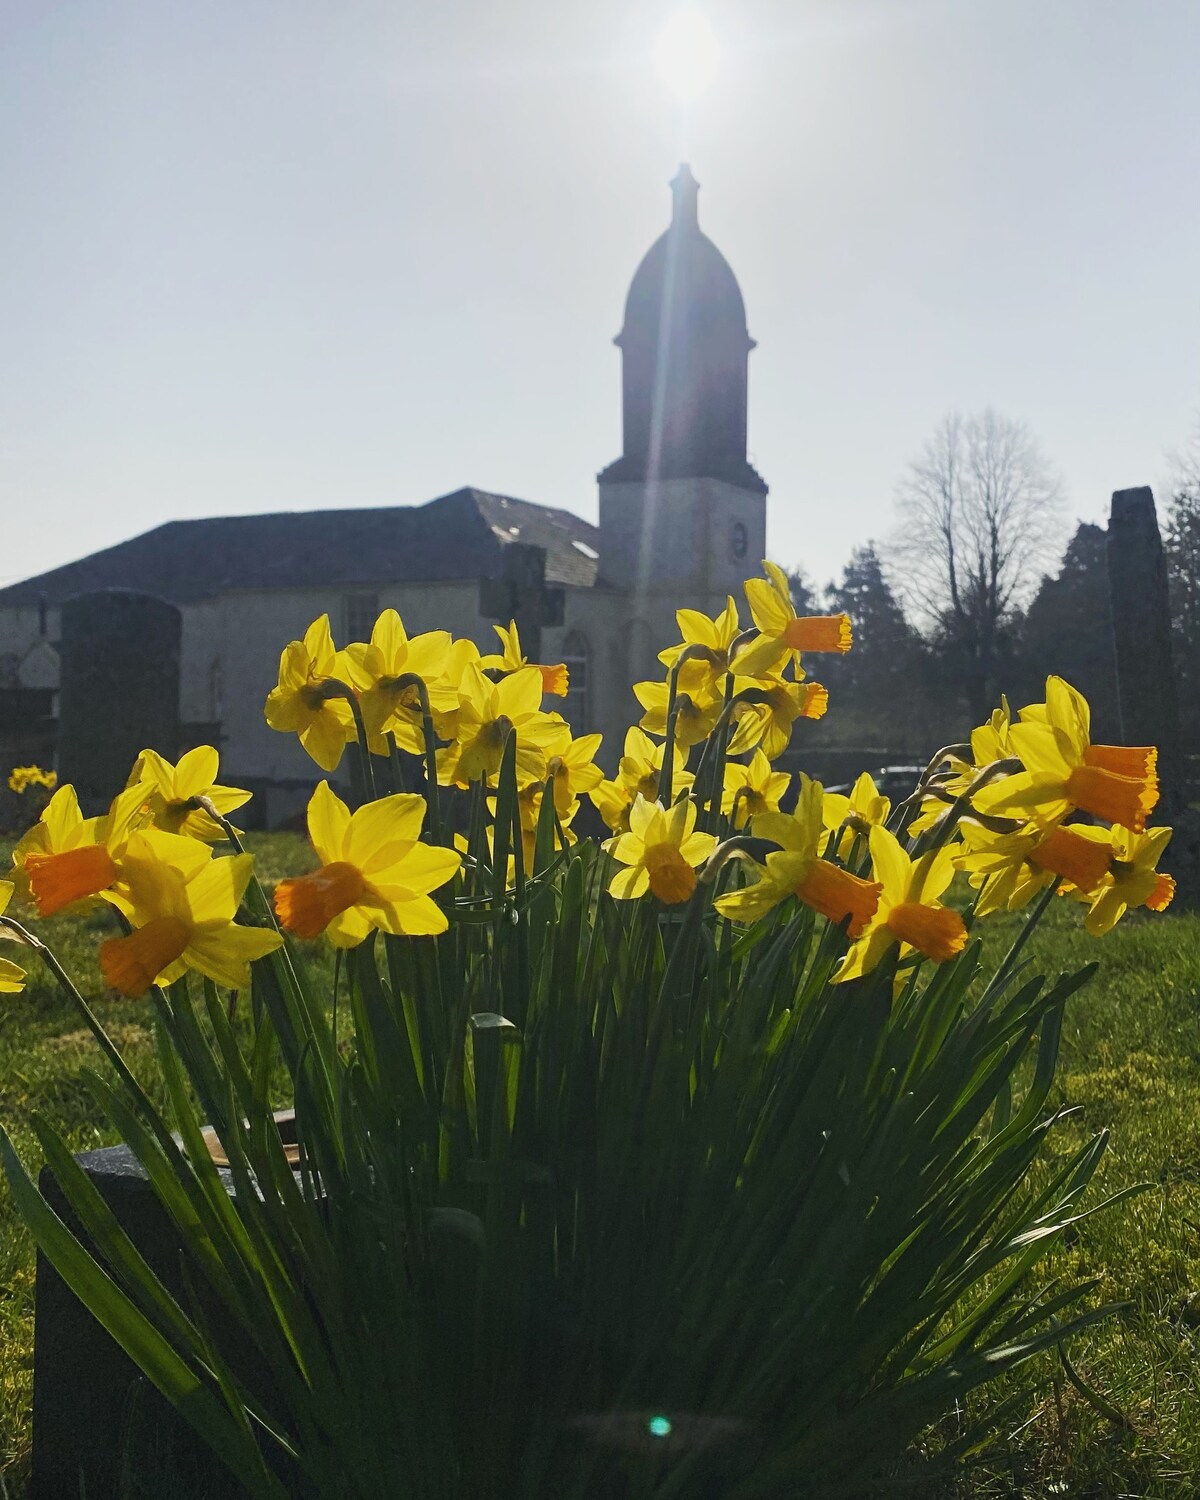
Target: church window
(577, 707)
(739, 540)
(216, 691)
(361, 612)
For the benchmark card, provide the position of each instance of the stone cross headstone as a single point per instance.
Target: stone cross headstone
(520, 594)
(1141, 618)
(118, 690)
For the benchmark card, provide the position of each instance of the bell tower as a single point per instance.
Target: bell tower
(682, 511)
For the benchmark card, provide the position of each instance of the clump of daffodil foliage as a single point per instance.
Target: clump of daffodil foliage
(707, 1159)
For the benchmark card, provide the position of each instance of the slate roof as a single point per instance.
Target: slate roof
(460, 535)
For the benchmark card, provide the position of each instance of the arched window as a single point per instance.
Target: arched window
(577, 705)
(216, 690)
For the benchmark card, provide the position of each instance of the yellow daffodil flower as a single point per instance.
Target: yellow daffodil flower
(555, 679)
(384, 670)
(374, 872)
(20, 778)
(865, 808)
(1010, 868)
(989, 744)
(695, 717)
(661, 852)
(181, 903)
(171, 790)
(66, 858)
(909, 913)
(795, 869)
(311, 699)
(571, 766)
(637, 775)
(1064, 771)
(751, 789)
(1132, 879)
(12, 976)
(709, 643)
(489, 713)
(783, 634)
(765, 710)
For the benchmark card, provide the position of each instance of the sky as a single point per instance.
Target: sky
(291, 254)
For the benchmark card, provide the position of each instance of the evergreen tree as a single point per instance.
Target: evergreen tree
(1181, 542)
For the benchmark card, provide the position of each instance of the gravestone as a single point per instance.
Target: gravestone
(520, 594)
(119, 688)
(1147, 694)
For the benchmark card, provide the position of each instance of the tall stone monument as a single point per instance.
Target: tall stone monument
(119, 688)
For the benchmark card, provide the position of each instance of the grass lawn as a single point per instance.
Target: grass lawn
(1131, 1064)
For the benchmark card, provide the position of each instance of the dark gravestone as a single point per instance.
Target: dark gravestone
(520, 594)
(1141, 618)
(119, 688)
(100, 1429)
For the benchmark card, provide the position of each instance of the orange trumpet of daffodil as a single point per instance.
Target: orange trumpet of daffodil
(172, 790)
(181, 903)
(661, 852)
(765, 710)
(795, 869)
(783, 634)
(1010, 868)
(909, 914)
(555, 679)
(374, 872)
(1065, 771)
(312, 696)
(67, 858)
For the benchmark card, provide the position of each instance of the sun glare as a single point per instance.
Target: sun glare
(685, 54)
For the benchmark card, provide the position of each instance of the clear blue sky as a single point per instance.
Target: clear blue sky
(282, 254)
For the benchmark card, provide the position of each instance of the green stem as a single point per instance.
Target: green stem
(667, 774)
(431, 772)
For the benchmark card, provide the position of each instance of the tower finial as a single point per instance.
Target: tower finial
(684, 193)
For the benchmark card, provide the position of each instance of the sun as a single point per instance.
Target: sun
(686, 53)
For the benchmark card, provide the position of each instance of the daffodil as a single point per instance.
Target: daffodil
(66, 858)
(783, 634)
(172, 790)
(390, 671)
(571, 767)
(795, 869)
(1132, 879)
(909, 914)
(709, 645)
(489, 713)
(637, 775)
(1064, 771)
(764, 711)
(12, 976)
(181, 904)
(374, 872)
(555, 679)
(661, 852)
(695, 715)
(865, 808)
(751, 789)
(312, 697)
(1010, 868)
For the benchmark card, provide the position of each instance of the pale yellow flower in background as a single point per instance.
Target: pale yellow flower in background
(171, 790)
(695, 717)
(712, 642)
(661, 852)
(489, 713)
(752, 789)
(865, 808)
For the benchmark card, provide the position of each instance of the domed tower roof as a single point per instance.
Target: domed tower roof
(684, 348)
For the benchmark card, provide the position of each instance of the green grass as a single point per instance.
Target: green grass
(1131, 1064)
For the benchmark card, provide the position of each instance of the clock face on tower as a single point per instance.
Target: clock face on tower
(739, 541)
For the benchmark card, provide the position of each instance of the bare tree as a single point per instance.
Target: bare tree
(980, 511)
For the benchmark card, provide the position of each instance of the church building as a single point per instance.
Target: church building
(682, 521)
